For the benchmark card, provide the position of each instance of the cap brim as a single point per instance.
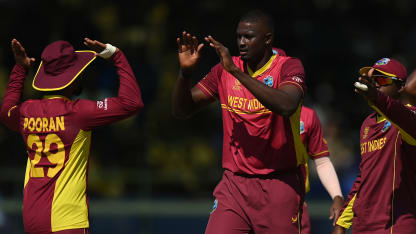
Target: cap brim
(47, 82)
(385, 73)
(364, 70)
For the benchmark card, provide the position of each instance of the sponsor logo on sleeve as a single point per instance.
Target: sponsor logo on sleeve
(102, 104)
(297, 79)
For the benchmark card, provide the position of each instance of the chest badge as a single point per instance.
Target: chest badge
(268, 81)
(302, 127)
(386, 126)
(237, 85)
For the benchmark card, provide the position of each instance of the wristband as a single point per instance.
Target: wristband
(108, 51)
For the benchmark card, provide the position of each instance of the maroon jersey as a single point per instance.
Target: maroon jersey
(383, 197)
(312, 137)
(257, 141)
(57, 133)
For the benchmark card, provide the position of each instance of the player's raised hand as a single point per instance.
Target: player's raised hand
(223, 53)
(370, 93)
(189, 52)
(20, 55)
(336, 208)
(94, 45)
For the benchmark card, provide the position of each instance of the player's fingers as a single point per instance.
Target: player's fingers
(195, 43)
(189, 43)
(178, 41)
(200, 47)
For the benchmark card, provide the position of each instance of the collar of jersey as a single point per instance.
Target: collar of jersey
(380, 118)
(55, 96)
(262, 69)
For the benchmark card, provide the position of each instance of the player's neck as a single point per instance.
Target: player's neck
(256, 64)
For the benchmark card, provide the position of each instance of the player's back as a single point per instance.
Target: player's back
(56, 173)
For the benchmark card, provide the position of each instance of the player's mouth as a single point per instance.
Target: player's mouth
(243, 52)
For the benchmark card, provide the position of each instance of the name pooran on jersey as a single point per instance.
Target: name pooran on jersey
(42, 124)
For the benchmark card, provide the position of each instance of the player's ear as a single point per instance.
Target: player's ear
(269, 38)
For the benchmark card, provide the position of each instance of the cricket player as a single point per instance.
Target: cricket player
(57, 130)
(260, 92)
(317, 148)
(383, 197)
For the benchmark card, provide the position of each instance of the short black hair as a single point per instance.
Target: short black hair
(259, 15)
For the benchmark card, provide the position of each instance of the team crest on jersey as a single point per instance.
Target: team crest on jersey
(214, 207)
(237, 85)
(268, 81)
(365, 132)
(302, 127)
(383, 61)
(386, 126)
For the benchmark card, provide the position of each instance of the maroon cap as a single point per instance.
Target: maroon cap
(389, 67)
(60, 66)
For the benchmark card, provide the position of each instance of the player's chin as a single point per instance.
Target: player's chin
(245, 57)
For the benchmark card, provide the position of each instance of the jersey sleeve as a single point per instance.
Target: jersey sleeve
(347, 214)
(10, 107)
(98, 113)
(317, 146)
(293, 73)
(401, 116)
(209, 84)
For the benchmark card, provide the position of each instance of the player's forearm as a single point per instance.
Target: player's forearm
(14, 90)
(328, 176)
(277, 101)
(129, 92)
(182, 102)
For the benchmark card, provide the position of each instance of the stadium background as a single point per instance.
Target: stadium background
(155, 174)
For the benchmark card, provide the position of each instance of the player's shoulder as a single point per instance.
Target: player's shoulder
(307, 109)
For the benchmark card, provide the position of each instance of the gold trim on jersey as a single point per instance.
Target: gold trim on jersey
(262, 69)
(394, 180)
(205, 88)
(320, 153)
(301, 154)
(405, 136)
(237, 111)
(345, 219)
(11, 108)
(69, 205)
(55, 97)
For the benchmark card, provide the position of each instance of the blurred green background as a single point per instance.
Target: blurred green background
(155, 174)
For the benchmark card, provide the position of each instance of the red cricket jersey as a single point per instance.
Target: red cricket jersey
(257, 141)
(57, 133)
(312, 137)
(383, 197)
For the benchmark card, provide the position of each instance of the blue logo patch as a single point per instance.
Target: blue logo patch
(383, 61)
(386, 126)
(214, 207)
(268, 81)
(302, 127)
